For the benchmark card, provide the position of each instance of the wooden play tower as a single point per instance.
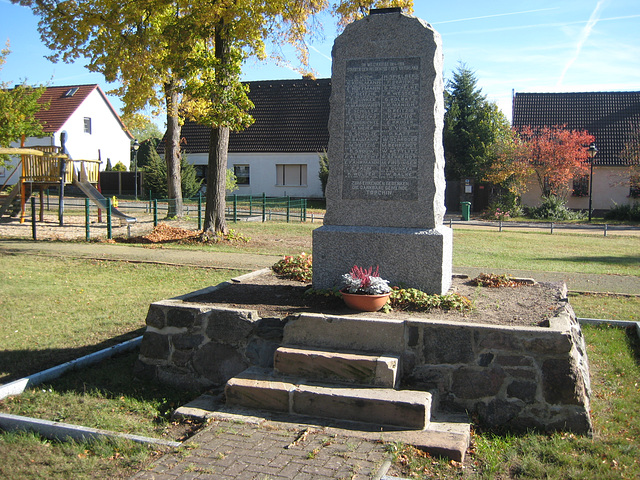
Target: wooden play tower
(42, 167)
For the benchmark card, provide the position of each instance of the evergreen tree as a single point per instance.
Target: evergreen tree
(323, 173)
(471, 125)
(155, 177)
(146, 151)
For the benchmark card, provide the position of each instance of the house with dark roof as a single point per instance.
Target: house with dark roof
(611, 117)
(279, 153)
(94, 129)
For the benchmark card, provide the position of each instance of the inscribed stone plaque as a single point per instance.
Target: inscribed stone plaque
(382, 127)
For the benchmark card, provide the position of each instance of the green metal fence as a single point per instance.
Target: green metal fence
(245, 207)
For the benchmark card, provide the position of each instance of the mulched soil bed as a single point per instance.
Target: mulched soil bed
(274, 296)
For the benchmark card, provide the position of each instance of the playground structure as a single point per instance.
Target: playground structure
(45, 166)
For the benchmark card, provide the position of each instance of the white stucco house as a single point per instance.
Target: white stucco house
(611, 117)
(279, 153)
(94, 129)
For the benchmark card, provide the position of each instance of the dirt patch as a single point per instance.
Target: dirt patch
(274, 296)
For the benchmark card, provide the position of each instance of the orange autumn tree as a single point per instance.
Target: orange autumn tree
(554, 155)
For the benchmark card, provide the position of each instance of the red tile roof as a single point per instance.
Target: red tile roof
(609, 116)
(64, 101)
(290, 116)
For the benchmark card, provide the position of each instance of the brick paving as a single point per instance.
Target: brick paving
(228, 449)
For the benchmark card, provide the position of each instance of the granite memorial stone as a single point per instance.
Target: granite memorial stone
(385, 194)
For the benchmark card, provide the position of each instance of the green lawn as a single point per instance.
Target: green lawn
(544, 252)
(56, 309)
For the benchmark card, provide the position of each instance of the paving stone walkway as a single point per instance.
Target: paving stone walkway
(232, 449)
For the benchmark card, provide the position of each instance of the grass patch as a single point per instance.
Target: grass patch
(611, 307)
(506, 251)
(612, 453)
(58, 309)
(29, 456)
(107, 396)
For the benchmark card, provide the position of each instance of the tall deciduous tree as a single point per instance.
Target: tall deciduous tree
(142, 45)
(471, 125)
(18, 106)
(553, 155)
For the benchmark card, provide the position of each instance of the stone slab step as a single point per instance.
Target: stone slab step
(264, 389)
(447, 436)
(381, 371)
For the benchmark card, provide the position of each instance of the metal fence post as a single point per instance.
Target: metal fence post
(33, 218)
(87, 222)
(155, 212)
(235, 208)
(264, 206)
(199, 210)
(288, 208)
(109, 231)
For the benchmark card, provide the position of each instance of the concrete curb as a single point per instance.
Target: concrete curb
(64, 431)
(18, 386)
(613, 323)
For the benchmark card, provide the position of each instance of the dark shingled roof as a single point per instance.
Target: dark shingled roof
(63, 102)
(609, 116)
(290, 116)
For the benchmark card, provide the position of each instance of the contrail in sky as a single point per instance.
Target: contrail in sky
(584, 35)
(318, 51)
(495, 15)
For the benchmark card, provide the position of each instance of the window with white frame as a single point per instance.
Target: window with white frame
(87, 125)
(242, 174)
(294, 175)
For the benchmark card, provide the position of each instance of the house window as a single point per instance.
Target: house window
(581, 186)
(291, 175)
(87, 125)
(634, 186)
(242, 174)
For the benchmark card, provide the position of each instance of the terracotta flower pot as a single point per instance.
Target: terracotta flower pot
(365, 303)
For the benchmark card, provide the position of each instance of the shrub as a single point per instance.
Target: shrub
(119, 167)
(624, 212)
(295, 267)
(554, 208)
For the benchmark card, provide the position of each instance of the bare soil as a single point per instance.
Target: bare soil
(274, 296)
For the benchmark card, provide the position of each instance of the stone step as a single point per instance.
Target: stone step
(266, 390)
(376, 370)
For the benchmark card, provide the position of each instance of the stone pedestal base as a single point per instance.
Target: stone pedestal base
(414, 258)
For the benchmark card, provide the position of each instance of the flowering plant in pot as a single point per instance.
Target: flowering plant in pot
(364, 289)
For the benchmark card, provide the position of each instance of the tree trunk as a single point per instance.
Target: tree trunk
(214, 220)
(172, 151)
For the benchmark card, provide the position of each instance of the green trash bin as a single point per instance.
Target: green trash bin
(466, 211)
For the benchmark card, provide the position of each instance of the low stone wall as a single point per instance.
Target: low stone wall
(194, 346)
(512, 377)
(519, 378)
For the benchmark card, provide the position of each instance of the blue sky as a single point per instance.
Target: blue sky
(526, 46)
